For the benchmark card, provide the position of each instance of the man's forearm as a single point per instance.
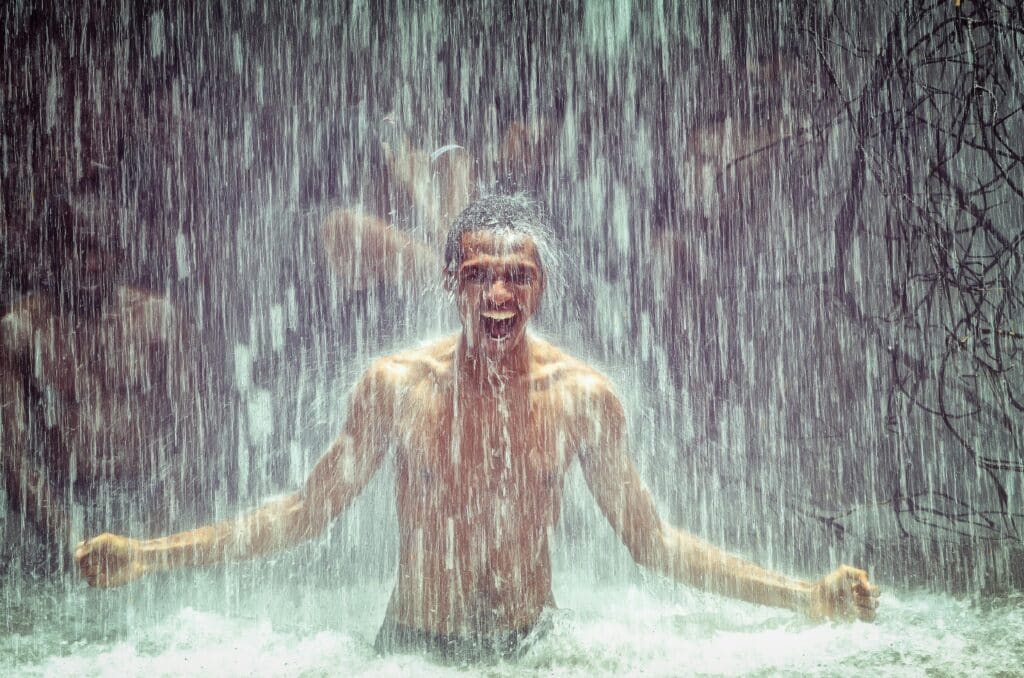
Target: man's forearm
(275, 526)
(362, 246)
(695, 562)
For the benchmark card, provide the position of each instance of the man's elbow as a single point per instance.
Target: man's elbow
(663, 552)
(305, 518)
(652, 551)
(356, 243)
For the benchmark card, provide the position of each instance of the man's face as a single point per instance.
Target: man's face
(498, 287)
(742, 154)
(89, 270)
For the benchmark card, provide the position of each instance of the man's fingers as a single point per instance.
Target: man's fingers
(92, 569)
(106, 561)
(861, 583)
(84, 561)
(865, 595)
(100, 579)
(866, 588)
(867, 603)
(863, 587)
(91, 561)
(866, 614)
(848, 594)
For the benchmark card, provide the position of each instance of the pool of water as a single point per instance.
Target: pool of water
(601, 628)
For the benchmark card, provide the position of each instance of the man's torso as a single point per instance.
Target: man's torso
(479, 474)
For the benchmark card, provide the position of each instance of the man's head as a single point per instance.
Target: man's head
(493, 265)
(87, 250)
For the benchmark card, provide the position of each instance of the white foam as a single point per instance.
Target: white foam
(656, 630)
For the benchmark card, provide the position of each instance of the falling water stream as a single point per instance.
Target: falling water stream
(791, 237)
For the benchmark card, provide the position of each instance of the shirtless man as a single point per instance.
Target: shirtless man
(87, 384)
(482, 427)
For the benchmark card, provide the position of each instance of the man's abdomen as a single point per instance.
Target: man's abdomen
(470, 589)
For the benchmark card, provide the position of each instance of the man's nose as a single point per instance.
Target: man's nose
(499, 293)
(93, 262)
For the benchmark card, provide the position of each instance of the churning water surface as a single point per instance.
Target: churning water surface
(600, 628)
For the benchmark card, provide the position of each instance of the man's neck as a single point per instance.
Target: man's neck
(479, 370)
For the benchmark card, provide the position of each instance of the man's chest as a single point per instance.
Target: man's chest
(474, 456)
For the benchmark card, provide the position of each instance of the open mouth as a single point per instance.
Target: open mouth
(498, 324)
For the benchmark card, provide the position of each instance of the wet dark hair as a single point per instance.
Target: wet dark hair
(514, 214)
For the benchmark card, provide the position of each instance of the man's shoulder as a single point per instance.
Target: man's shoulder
(431, 360)
(576, 389)
(557, 368)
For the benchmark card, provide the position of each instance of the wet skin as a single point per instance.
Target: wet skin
(483, 427)
(99, 360)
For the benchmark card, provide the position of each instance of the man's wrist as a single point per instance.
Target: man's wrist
(802, 598)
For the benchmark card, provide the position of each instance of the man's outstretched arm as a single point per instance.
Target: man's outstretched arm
(361, 247)
(338, 478)
(626, 502)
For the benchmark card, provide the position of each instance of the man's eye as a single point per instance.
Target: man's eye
(474, 275)
(519, 277)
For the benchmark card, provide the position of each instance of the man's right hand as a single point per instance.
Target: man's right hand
(110, 560)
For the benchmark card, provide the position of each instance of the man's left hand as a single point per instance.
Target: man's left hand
(846, 594)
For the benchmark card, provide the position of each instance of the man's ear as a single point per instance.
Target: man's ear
(540, 292)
